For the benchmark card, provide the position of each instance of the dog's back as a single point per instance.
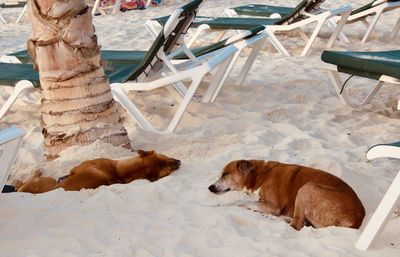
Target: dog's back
(326, 199)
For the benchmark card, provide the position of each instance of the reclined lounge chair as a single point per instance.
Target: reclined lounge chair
(295, 20)
(391, 198)
(191, 68)
(382, 66)
(373, 9)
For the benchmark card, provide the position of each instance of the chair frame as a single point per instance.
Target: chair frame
(319, 18)
(378, 9)
(222, 62)
(334, 76)
(389, 201)
(194, 69)
(20, 16)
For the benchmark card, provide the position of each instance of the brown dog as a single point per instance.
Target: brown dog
(98, 172)
(304, 194)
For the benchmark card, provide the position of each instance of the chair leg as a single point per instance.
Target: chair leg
(121, 96)
(21, 15)
(338, 30)
(219, 79)
(395, 30)
(116, 7)
(249, 62)
(344, 97)
(21, 87)
(372, 93)
(95, 6)
(381, 216)
(2, 18)
(332, 23)
(337, 84)
(185, 103)
(371, 26)
(276, 43)
(312, 38)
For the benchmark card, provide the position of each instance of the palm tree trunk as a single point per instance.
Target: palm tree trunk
(77, 104)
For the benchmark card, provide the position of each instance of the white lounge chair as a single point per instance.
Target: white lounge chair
(13, 4)
(383, 66)
(374, 9)
(10, 142)
(179, 65)
(297, 18)
(193, 70)
(386, 207)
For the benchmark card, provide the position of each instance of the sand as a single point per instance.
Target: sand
(286, 111)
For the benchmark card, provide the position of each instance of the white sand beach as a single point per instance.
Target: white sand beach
(286, 111)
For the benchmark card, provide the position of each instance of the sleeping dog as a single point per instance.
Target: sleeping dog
(94, 173)
(303, 194)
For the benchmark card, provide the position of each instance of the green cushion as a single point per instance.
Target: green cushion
(288, 14)
(243, 23)
(237, 23)
(111, 56)
(199, 51)
(365, 64)
(262, 10)
(11, 73)
(396, 144)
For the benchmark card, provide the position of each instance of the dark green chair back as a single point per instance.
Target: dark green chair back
(166, 43)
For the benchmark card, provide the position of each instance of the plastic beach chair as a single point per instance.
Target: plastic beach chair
(382, 66)
(295, 20)
(362, 14)
(221, 58)
(391, 198)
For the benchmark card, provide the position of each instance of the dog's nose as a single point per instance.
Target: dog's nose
(212, 188)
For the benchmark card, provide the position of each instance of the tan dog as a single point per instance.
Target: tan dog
(304, 194)
(36, 184)
(94, 173)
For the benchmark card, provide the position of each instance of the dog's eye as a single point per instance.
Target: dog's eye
(224, 174)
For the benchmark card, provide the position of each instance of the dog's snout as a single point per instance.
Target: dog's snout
(175, 164)
(212, 188)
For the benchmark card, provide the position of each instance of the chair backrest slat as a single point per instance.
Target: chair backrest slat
(166, 43)
(296, 13)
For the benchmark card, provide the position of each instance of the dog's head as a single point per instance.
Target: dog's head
(157, 165)
(233, 177)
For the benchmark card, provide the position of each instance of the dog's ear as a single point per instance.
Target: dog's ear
(244, 166)
(143, 153)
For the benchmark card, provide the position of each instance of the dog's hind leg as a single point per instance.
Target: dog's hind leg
(299, 216)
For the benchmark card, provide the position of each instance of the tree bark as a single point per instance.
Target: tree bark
(77, 104)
